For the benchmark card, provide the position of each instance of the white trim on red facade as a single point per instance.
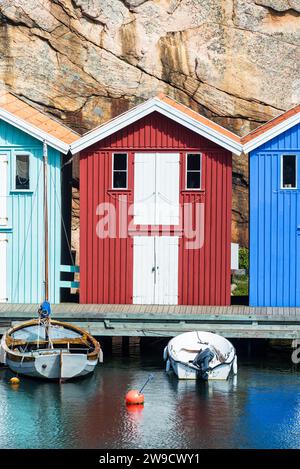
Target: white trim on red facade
(157, 105)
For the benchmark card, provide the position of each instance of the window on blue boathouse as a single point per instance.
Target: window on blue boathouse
(193, 171)
(22, 172)
(288, 172)
(120, 168)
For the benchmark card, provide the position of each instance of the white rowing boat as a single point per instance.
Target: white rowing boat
(201, 355)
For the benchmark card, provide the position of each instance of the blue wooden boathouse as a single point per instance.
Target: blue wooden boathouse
(274, 159)
(25, 133)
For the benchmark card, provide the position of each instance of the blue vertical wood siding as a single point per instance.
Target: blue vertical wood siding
(274, 225)
(25, 267)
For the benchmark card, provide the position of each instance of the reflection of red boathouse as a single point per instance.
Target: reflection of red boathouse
(158, 157)
(106, 420)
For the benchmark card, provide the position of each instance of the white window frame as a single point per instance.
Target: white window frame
(122, 170)
(281, 172)
(14, 172)
(196, 171)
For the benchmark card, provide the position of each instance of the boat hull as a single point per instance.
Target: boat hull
(59, 362)
(183, 371)
(54, 366)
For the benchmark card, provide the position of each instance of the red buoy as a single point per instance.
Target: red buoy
(135, 409)
(134, 397)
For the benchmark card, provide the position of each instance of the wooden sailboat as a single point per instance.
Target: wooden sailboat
(46, 348)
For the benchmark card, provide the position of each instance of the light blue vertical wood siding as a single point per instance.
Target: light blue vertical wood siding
(274, 225)
(25, 263)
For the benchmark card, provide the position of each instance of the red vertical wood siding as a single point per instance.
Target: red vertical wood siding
(106, 265)
(204, 273)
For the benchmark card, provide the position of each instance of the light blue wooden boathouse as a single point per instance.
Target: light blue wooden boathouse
(24, 131)
(274, 160)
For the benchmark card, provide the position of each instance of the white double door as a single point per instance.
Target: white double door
(3, 226)
(155, 270)
(156, 189)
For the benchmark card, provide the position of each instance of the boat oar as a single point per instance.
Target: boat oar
(136, 397)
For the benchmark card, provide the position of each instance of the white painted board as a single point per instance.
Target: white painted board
(234, 256)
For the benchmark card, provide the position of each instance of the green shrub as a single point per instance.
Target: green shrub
(242, 287)
(244, 258)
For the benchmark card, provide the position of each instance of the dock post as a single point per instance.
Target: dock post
(106, 344)
(125, 345)
(249, 348)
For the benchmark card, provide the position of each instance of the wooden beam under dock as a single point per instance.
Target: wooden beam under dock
(165, 321)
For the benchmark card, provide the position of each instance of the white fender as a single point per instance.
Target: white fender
(165, 354)
(2, 351)
(168, 365)
(2, 356)
(234, 366)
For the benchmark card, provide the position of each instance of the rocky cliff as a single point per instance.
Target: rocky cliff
(84, 61)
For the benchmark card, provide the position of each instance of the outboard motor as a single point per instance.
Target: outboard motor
(202, 360)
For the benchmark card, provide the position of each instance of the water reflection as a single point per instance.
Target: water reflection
(270, 411)
(259, 409)
(205, 411)
(30, 414)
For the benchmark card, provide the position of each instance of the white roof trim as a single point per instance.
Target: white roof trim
(142, 110)
(271, 133)
(34, 131)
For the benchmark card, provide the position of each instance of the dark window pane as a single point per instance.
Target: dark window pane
(22, 172)
(289, 171)
(120, 161)
(120, 178)
(193, 162)
(193, 180)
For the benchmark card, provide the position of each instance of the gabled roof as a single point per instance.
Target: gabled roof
(271, 129)
(27, 118)
(171, 109)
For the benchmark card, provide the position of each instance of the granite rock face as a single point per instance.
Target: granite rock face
(85, 61)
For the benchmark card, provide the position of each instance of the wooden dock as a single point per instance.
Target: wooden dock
(155, 320)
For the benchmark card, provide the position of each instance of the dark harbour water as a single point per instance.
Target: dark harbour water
(261, 409)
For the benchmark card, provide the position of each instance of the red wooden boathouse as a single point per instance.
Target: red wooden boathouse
(155, 208)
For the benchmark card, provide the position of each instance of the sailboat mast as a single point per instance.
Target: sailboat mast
(46, 247)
